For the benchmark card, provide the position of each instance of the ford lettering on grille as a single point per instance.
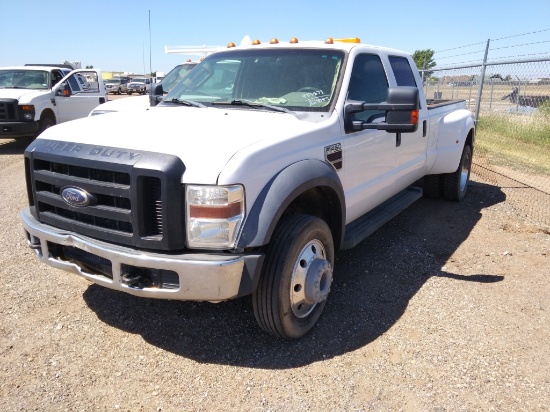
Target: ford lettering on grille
(75, 196)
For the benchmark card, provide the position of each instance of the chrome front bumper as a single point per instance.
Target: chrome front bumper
(202, 276)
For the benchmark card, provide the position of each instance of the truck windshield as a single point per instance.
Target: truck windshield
(298, 80)
(175, 75)
(24, 79)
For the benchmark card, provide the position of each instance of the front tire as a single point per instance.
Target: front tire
(297, 276)
(455, 184)
(45, 123)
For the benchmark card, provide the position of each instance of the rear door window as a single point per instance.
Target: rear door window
(402, 70)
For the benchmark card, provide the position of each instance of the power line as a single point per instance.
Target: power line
(523, 34)
(501, 38)
(460, 47)
(493, 49)
(463, 54)
(519, 45)
(451, 66)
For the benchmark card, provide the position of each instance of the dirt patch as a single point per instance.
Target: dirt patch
(444, 308)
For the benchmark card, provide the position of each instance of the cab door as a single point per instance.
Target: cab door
(376, 164)
(369, 157)
(413, 146)
(73, 101)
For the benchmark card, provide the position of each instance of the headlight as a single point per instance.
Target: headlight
(27, 112)
(214, 216)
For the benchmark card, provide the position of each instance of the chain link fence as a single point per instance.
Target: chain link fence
(511, 102)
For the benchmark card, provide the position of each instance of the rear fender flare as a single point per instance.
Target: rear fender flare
(454, 129)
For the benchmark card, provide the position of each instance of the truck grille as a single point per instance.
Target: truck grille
(130, 195)
(8, 110)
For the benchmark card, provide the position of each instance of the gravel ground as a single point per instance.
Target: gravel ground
(443, 309)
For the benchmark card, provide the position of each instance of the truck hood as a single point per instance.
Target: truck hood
(203, 138)
(21, 94)
(119, 105)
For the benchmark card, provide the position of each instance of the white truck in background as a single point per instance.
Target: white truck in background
(247, 178)
(158, 77)
(35, 97)
(139, 85)
(156, 92)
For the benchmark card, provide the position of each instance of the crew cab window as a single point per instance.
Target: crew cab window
(369, 84)
(402, 71)
(82, 82)
(75, 86)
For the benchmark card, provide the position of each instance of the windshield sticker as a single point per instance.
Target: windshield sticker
(316, 98)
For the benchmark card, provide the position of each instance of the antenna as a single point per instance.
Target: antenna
(150, 64)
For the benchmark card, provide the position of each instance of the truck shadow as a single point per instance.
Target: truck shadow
(14, 146)
(373, 285)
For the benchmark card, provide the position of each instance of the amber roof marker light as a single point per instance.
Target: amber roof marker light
(348, 40)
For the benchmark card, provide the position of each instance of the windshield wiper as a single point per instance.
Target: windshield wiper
(187, 103)
(252, 105)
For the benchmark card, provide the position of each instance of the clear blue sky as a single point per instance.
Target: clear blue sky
(114, 35)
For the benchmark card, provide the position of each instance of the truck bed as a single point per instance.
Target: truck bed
(433, 103)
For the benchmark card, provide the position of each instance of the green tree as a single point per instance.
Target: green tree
(89, 67)
(424, 60)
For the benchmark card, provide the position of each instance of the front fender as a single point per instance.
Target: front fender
(279, 193)
(453, 131)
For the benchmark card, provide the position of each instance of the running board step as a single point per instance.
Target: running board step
(367, 224)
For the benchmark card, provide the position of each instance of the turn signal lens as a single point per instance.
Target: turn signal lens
(414, 117)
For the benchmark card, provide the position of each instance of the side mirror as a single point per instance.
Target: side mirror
(401, 108)
(155, 94)
(67, 90)
(63, 90)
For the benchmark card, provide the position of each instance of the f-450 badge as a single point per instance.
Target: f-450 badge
(333, 155)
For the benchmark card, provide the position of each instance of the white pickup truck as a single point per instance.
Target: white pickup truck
(34, 97)
(247, 178)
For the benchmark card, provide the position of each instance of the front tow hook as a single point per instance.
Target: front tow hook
(132, 281)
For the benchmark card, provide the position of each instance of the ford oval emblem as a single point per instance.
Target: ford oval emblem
(75, 196)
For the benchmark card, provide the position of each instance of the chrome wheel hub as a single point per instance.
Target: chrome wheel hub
(465, 172)
(311, 279)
